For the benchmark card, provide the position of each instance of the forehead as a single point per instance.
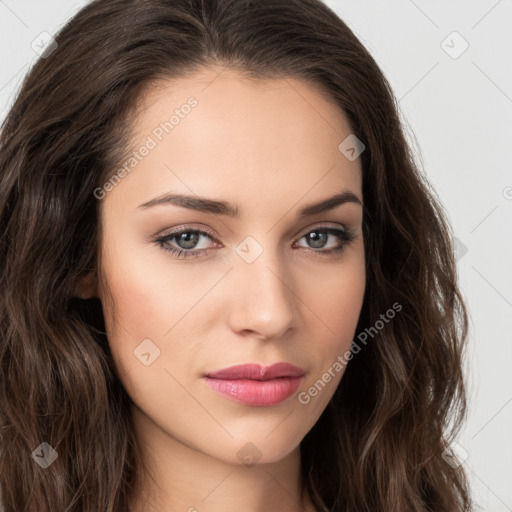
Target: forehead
(276, 137)
(228, 94)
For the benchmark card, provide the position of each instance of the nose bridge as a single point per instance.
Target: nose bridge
(264, 302)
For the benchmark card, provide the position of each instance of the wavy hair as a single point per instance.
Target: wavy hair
(380, 443)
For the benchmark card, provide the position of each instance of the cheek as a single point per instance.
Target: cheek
(341, 307)
(140, 305)
(143, 312)
(135, 309)
(340, 297)
(143, 292)
(150, 301)
(337, 300)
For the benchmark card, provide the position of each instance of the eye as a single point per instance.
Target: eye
(187, 239)
(318, 238)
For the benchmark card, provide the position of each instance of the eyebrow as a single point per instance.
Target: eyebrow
(203, 204)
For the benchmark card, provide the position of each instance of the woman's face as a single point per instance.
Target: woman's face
(263, 288)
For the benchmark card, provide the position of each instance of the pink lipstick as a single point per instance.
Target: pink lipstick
(256, 385)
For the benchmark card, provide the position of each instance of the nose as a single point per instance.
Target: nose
(263, 302)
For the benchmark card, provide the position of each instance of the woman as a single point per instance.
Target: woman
(225, 282)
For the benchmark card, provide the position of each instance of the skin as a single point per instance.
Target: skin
(271, 148)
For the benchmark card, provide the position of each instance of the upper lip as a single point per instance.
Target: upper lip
(256, 371)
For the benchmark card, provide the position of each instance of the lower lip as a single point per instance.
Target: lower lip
(256, 392)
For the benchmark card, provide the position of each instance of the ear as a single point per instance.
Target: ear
(87, 286)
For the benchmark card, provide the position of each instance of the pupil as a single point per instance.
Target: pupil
(316, 239)
(189, 244)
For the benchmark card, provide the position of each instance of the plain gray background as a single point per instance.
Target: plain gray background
(457, 106)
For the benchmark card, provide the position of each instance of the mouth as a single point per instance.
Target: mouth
(256, 385)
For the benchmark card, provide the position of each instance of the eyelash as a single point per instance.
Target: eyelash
(345, 235)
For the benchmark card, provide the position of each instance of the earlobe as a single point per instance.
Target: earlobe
(87, 286)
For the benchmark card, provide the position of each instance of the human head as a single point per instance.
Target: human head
(251, 289)
(66, 135)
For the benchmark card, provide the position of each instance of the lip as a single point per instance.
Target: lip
(254, 371)
(256, 385)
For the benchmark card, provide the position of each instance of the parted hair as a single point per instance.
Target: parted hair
(380, 444)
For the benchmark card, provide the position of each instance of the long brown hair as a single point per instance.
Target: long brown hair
(380, 443)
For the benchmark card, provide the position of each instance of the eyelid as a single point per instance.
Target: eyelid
(184, 228)
(210, 233)
(323, 226)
